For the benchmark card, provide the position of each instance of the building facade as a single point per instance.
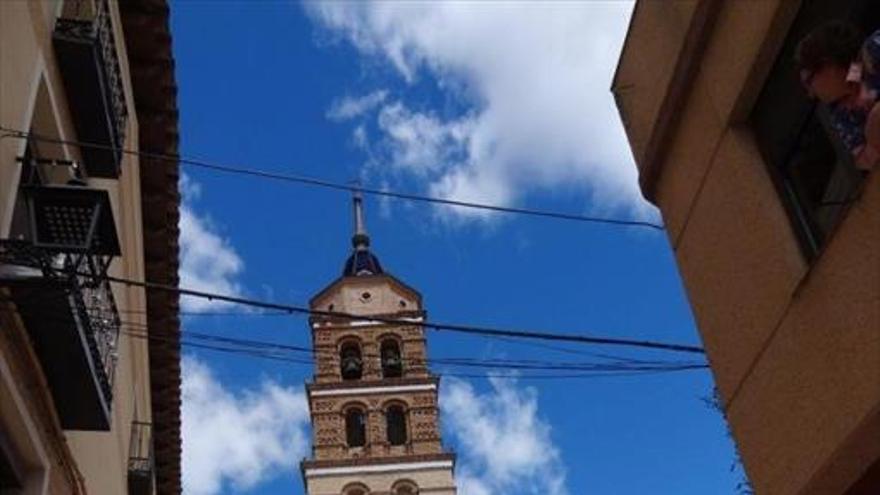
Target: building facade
(373, 401)
(776, 234)
(89, 369)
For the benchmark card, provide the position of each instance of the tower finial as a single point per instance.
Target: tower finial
(360, 240)
(362, 261)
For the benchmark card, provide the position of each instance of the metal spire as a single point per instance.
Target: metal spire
(360, 240)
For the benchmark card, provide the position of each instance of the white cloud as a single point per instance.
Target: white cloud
(534, 78)
(208, 262)
(349, 107)
(238, 440)
(421, 142)
(504, 445)
(190, 190)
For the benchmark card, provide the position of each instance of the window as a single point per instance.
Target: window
(350, 361)
(404, 488)
(813, 173)
(355, 489)
(395, 419)
(392, 364)
(355, 427)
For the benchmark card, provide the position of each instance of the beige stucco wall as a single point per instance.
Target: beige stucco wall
(794, 347)
(657, 30)
(26, 58)
(386, 296)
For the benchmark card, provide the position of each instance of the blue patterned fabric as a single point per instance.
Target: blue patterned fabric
(849, 122)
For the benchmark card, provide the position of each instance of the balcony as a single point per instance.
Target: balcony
(54, 272)
(86, 53)
(140, 459)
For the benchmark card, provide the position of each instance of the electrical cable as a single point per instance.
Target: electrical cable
(583, 374)
(565, 350)
(582, 339)
(456, 361)
(328, 184)
(476, 330)
(273, 348)
(280, 352)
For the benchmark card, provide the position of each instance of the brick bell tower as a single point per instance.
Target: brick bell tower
(373, 401)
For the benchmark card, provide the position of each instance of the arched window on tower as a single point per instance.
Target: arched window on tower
(355, 489)
(392, 364)
(405, 488)
(395, 419)
(350, 361)
(355, 427)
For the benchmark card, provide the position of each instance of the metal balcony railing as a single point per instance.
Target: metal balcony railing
(140, 459)
(86, 51)
(56, 276)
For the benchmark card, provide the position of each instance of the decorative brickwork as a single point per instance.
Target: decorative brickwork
(390, 444)
(410, 388)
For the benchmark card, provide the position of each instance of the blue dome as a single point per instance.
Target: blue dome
(362, 262)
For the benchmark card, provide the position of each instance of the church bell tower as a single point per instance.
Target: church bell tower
(373, 401)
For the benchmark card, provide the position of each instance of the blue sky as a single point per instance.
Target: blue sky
(504, 104)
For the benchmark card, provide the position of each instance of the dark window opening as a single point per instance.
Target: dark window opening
(355, 490)
(396, 425)
(392, 364)
(813, 172)
(350, 361)
(355, 428)
(405, 490)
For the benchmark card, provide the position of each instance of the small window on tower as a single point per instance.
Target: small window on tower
(355, 489)
(392, 364)
(355, 428)
(350, 361)
(396, 425)
(405, 488)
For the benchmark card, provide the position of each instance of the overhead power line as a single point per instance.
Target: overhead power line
(328, 184)
(560, 372)
(467, 329)
(525, 368)
(249, 314)
(616, 362)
